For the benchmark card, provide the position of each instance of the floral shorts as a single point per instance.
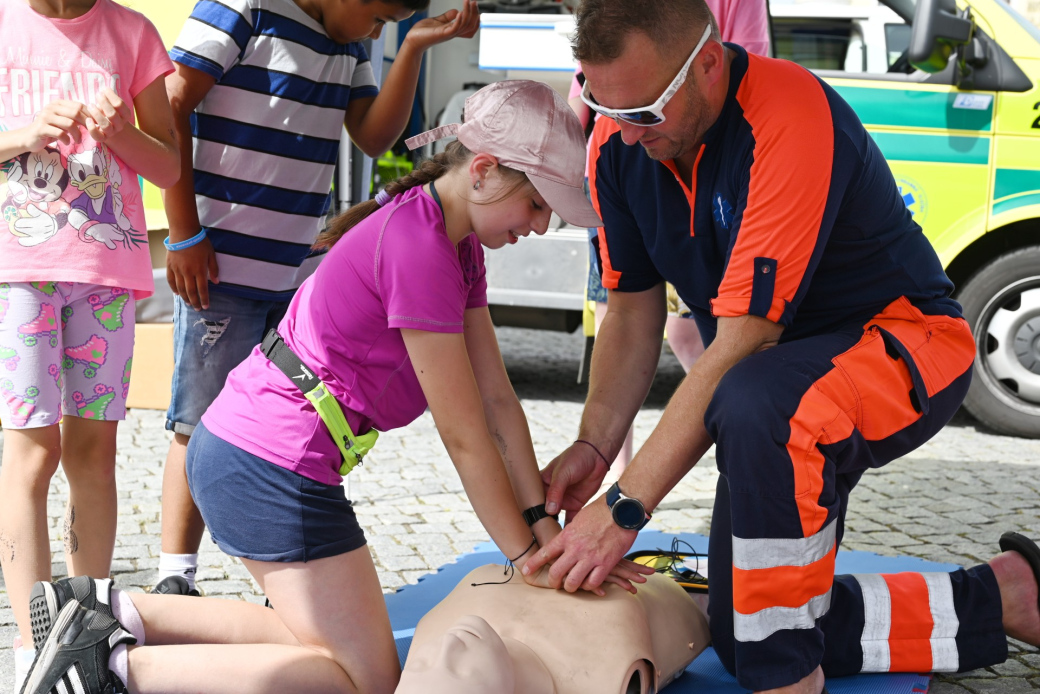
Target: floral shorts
(65, 349)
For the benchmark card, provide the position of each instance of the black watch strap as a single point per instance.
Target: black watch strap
(536, 513)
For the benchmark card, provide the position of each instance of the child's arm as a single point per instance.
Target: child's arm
(58, 121)
(375, 123)
(188, 271)
(150, 150)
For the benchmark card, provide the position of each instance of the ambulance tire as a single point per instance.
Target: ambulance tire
(1005, 388)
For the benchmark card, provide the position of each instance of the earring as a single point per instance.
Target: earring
(476, 186)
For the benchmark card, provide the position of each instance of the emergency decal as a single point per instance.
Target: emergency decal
(722, 210)
(914, 197)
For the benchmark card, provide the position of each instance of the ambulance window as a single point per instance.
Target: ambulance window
(815, 43)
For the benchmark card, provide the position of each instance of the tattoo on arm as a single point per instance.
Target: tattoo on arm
(71, 541)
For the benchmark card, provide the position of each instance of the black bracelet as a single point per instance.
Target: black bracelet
(537, 513)
(587, 443)
(534, 541)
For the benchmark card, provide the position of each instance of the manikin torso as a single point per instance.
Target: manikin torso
(517, 639)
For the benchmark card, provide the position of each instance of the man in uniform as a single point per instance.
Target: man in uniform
(833, 347)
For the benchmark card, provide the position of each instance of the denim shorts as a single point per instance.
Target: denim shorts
(207, 345)
(257, 510)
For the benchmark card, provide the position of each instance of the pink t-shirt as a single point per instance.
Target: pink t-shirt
(396, 269)
(73, 213)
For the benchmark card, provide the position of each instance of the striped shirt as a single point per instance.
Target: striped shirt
(266, 136)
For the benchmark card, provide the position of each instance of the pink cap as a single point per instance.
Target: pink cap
(528, 127)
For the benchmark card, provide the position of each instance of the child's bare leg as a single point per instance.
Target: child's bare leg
(89, 530)
(182, 524)
(180, 620)
(30, 460)
(333, 606)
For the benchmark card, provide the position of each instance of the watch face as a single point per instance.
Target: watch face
(628, 513)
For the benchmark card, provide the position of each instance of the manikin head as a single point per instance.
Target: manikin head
(514, 638)
(632, 51)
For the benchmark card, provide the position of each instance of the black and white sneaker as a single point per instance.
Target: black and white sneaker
(174, 585)
(74, 656)
(47, 600)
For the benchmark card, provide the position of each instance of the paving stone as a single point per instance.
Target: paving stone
(1013, 668)
(998, 685)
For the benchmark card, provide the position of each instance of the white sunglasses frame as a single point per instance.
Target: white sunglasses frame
(655, 108)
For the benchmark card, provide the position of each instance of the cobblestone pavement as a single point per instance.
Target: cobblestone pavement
(949, 501)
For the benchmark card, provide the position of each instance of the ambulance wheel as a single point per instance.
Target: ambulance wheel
(1002, 304)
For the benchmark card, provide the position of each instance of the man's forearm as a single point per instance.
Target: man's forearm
(680, 438)
(624, 361)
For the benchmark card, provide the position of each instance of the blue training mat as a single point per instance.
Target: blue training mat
(705, 675)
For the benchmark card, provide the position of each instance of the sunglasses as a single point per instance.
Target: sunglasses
(646, 116)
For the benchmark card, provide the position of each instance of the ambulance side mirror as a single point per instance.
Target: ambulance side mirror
(938, 30)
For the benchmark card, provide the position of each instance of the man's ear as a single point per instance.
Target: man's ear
(712, 60)
(481, 166)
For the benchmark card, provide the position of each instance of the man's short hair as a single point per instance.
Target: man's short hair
(673, 25)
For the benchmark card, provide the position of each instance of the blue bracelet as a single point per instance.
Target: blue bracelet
(188, 243)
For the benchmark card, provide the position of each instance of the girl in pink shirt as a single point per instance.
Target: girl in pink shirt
(394, 320)
(74, 77)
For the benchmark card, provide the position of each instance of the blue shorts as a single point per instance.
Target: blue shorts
(258, 510)
(207, 345)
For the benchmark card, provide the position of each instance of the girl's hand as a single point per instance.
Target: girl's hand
(109, 116)
(453, 23)
(58, 121)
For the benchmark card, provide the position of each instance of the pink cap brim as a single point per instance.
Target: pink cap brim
(569, 202)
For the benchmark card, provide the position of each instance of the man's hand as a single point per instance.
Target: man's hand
(572, 478)
(108, 116)
(587, 552)
(451, 24)
(190, 271)
(58, 121)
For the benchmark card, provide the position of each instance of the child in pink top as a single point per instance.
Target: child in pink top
(394, 320)
(74, 76)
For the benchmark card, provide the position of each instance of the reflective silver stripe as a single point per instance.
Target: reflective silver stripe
(764, 623)
(877, 623)
(761, 553)
(945, 656)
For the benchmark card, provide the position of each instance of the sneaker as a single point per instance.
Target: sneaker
(74, 656)
(174, 585)
(47, 599)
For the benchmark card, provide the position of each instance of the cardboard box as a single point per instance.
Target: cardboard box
(152, 372)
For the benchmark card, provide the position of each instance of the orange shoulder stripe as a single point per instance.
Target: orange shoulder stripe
(601, 132)
(790, 179)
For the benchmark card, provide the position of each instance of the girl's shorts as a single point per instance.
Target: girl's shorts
(258, 510)
(65, 349)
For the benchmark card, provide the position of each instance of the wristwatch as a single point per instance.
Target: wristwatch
(628, 513)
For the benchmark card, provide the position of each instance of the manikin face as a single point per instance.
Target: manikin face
(470, 658)
(505, 220)
(637, 78)
(353, 20)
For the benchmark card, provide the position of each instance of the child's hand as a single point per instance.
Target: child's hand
(109, 116)
(453, 23)
(58, 121)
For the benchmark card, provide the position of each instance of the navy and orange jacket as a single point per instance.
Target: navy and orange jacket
(795, 214)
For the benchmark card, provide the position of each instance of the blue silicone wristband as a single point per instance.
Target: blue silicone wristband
(187, 243)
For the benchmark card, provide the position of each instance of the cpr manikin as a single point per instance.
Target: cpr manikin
(514, 638)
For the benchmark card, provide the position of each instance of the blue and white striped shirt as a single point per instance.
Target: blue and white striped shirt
(266, 136)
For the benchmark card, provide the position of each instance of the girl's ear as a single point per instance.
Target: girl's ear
(481, 166)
